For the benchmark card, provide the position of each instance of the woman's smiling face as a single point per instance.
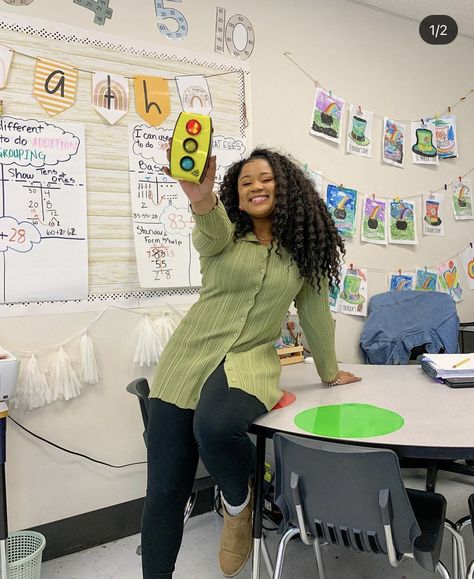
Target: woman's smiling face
(256, 187)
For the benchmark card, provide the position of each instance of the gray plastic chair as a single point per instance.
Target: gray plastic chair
(354, 497)
(203, 480)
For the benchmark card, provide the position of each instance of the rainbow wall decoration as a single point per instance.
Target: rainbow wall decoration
(110, 95)
(374, 220)
(326, 117)
(342, 204)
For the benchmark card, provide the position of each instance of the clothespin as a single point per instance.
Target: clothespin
(359, 110)
(426, 269)
(436, 116)
(330, 92)
(449, 108)
(445, 187)
(460, 178)
(397, 199)
(351, 266)
(373, 196)
(471, 244)
(399, 272)
(1, 108)
(306, 167)
(422, 121)
(341, 186)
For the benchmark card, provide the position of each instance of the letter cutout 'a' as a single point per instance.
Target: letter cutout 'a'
(152, 99)
(55, 85)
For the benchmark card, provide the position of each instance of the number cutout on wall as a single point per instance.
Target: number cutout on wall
(181, 23)
(18, 2)
(99, 7)
(229, 32)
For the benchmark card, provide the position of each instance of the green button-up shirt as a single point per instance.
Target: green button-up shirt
(246, 292)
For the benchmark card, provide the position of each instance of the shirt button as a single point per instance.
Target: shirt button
(233, 380)
(257, 287)
(242, 319)
(250, 302)
(235, 335)
(229, 368)
(262, 271)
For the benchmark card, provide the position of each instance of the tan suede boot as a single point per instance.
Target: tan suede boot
(236, 540)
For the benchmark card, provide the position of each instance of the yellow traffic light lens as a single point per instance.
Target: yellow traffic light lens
(186, 164)
(193, 127)
(190, 145)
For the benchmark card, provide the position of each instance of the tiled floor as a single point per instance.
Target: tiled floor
(198, 555)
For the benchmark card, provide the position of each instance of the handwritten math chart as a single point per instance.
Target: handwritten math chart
(43, 214)
(162, 219)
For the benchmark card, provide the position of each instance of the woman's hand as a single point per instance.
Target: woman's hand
(344, 377)
(198, 193)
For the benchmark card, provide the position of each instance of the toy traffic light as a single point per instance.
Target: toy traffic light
(190, 147)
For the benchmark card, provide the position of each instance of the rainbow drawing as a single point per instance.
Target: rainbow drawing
(332, 109)
(343, 202)
(426, 283)
(375, 212)
(402, 283)
(109, 94)
(403, 211)
(463, 192)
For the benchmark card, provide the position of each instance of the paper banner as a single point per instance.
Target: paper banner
(433, 214)
(393, 142)
(448, 279)
(462, 199)
(110, 95)
(423, 143)
(425, 280)
(353, 294)
(400, 282)
(342, 205)
(327, 116)
(359, 132)
(402, 222)
(374, 220)
(152, 99)
(6, 55)
(467, 258)
(194, 94)
(55, 85)
(445, 134)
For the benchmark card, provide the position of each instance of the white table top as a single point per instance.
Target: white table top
(439, 421)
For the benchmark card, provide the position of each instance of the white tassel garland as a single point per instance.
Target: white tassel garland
(64, 381)
(32, 390)
(90, 370)
(148, 348)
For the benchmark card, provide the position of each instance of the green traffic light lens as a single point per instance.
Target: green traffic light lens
(190, 145)
(186, 163)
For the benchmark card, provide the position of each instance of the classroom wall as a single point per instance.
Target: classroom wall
(367, 57)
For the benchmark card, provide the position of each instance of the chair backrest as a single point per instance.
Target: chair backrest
(399, 322)
(141, 389)
(348, 493)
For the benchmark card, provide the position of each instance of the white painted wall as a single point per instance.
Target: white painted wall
(367, 57)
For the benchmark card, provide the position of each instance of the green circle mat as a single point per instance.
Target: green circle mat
(349, 420)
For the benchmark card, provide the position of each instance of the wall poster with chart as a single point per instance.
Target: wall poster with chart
(92, 259)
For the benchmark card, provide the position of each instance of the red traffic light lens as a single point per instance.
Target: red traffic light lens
(186, 164)
(193, 127)
(190, 145)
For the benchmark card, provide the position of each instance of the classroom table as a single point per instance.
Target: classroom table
(438, 420)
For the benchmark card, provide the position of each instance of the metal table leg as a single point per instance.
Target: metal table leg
(3, 524)
(258, 506)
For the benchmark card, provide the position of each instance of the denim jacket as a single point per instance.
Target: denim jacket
(400, 321)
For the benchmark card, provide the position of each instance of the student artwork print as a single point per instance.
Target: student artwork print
(399, 282)
(424, 151)
(194, 94)
(327, 116)
(333, 298)
(402, 222)
(6, 56)
(374, 220)
(433, 214)
(43, 218)
(359, 132)
(462, 199)
(448, 279)
(393, 142)
(425, 280)
(110, 95)
(342, 205)
(55, 85)
(445, 137)
(467, 260)
(162, 218)
(353, 292)
(152, 99)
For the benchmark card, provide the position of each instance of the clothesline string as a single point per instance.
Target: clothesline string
(317, 83)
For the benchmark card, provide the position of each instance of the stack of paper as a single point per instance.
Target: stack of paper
(448, 365)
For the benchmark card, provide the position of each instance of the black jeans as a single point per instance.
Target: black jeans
(217, 431)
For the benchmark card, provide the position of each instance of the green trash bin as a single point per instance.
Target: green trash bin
(25, 550)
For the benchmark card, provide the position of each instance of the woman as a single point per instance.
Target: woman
(267, 241)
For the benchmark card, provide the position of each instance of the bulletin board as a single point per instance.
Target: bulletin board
(112, 270)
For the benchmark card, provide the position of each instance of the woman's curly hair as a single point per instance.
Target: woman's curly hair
(301, 224)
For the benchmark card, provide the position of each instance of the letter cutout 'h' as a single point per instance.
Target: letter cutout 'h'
(152, 99)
